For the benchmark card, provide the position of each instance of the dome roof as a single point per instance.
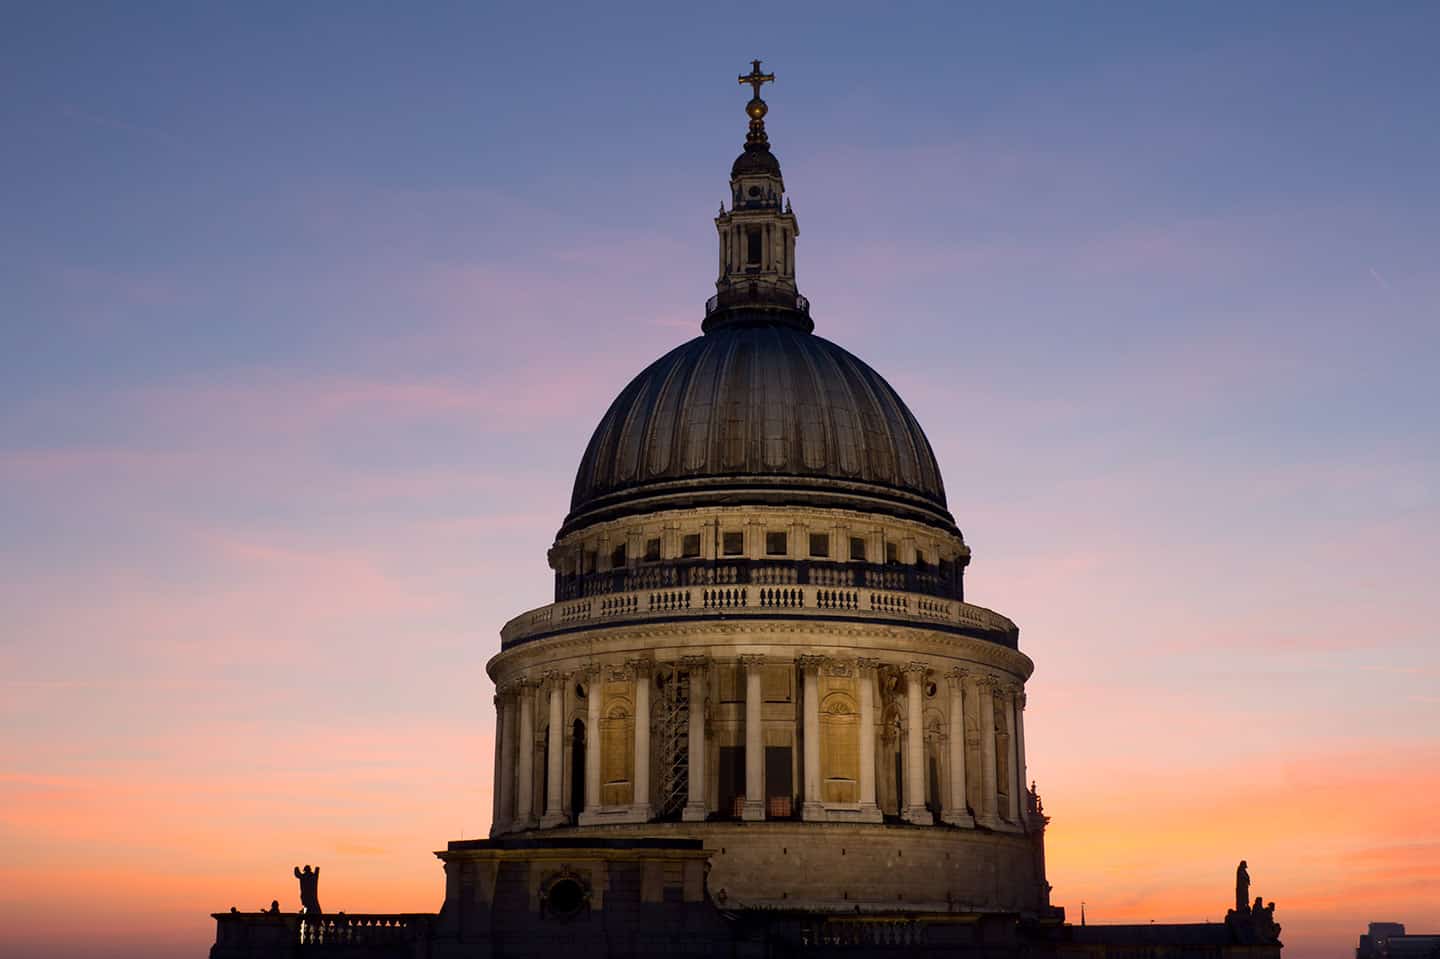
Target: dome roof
(758, 414)
(757, 160)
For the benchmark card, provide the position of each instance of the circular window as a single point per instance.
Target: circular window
(566, 897)
(754, 191)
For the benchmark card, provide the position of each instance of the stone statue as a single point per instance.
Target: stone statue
(1251, 923)
(309, 889)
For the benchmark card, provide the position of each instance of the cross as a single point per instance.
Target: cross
(756, 78)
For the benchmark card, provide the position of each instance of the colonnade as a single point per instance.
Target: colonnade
(520, 702)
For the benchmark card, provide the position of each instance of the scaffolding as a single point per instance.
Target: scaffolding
(672, 741)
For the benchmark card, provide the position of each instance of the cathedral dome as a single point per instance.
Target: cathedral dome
(759, 413)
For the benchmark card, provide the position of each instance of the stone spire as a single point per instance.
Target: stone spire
(757, 234)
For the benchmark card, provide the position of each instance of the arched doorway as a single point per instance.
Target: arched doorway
(577, 772)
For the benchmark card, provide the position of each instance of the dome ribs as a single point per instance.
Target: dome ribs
(733, 404)
(760, 414)
(776, 395)
(661, 441)
(701, 398)
(811, 441)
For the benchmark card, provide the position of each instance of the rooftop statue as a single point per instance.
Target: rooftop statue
(309, 889)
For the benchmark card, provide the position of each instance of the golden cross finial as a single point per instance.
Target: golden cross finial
(756, 78)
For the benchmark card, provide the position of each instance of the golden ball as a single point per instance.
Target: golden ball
(756, 108)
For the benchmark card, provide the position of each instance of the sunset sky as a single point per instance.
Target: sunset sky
(308, 311)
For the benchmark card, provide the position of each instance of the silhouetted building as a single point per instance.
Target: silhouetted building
(760, 716)
(1387, 940)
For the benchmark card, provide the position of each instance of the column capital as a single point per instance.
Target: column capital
(750, 660)
(695, 662)
(918, 670)
(1020, 698)
(956, 677)
(867, 664)
(811, 661)
(640, 667)
(988, 682)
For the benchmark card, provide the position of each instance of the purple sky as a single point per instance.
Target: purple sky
(307, 314)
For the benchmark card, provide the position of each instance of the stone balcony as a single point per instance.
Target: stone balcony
(734, 602)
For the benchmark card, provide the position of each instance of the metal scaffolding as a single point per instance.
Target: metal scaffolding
(672, 741)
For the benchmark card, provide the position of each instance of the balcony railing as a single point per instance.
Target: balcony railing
(857, 603)
(791, 301)
(942, 581)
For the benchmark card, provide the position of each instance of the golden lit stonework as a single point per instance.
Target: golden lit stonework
(760, 637)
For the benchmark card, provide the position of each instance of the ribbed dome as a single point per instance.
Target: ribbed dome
(758, 414)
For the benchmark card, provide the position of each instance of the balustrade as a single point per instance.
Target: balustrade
(860, 601)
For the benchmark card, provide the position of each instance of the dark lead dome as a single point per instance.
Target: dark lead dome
(758, 414)
(755, 161)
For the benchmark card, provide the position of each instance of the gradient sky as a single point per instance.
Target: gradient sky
(308, 311)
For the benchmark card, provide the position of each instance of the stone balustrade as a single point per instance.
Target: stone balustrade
(854, 603)
(243, 935)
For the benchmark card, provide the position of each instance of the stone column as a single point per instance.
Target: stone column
(555, 767)
(1020, 749)
(866, 670)
(1012, 709)
(640, 801)
(988, 793)
(505, 749)
(956, 812)
(525, 761)
(915, 811)
(695, 808)
(813, 807)
(594, 696)
(754, 740)
(495, 793)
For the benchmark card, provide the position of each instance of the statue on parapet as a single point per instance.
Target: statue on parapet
(1251, 923)
(309, 889)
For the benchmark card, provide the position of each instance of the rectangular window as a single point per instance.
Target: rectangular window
(920, 562)
(857, 549)
(892, 552)
(752, 248)
(734, 543)
(777, 544)
(732, 779)
(820, 544)
(779, 774)
(617, 556)
(690, 546)
(652, 550)
(588, 562)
